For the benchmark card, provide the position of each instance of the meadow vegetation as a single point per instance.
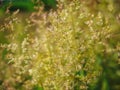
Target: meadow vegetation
(73, 47)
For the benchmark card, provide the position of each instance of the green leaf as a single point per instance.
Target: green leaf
(105, 85)
(81, 73)
(4, 54)
(23, 5)
(37, 87)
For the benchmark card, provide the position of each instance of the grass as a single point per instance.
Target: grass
(75, 47)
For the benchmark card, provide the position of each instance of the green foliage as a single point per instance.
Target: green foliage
(27, 5)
